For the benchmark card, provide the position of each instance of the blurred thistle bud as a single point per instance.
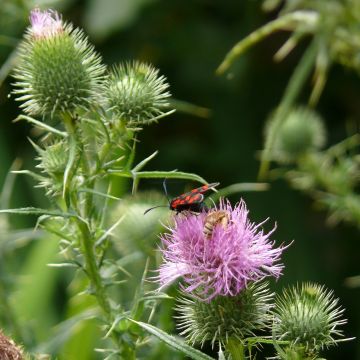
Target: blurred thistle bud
(58, 69)
(308, 317)
(138, 232)
(137, 94)
(301, 131)
(225, 317)
(8, 349)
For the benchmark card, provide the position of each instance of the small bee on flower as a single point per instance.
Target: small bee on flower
(214, 218)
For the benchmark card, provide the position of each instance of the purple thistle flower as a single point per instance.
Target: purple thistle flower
(235, 252)
(45, 23)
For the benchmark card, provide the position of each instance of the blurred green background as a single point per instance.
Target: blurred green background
(187, 40)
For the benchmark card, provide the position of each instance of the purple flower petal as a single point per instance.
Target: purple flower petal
(46, 23)
(222, 264)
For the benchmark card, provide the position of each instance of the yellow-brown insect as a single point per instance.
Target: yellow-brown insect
(213, 218)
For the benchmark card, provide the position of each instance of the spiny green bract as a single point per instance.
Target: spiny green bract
(225, 317)
(308, 317)
(58, 73)
(136, 93)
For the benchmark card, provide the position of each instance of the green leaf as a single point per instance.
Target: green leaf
(286, 21)
(189, 108)
(36, 211)
(41, 125)
(141, 164)
(174, 342)
(159, 175)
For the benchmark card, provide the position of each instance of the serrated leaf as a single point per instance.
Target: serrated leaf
(174, 342)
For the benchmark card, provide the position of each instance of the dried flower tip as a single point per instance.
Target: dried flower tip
(223, 317)
(8, 349)
(308, 316)
(45, 23)
(218, 258)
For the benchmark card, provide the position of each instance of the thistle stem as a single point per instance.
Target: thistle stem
(87, 238)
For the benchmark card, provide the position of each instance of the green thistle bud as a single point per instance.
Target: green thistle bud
(54, 158)
(58, 69)
(225, 317)
(137, 94)
(302, 131)
(52, 161)
(308, 317)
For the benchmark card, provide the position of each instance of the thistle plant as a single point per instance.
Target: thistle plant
(308, 316)
(88, 126)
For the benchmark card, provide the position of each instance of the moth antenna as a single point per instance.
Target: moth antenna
(165, 190)
(146, 211)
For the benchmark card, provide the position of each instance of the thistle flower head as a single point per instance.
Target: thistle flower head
(58, 69)
(225, 317)
(46, 23)
(308, 316)
(235, 254)
(136, 93)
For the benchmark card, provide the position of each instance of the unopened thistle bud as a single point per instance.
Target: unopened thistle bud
(225, 317)
(53, 158)
(137, 94)
(302, 131)
(58, 69)
(52, 161)
(308, 317)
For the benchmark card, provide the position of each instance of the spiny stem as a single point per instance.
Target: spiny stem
(87, 238)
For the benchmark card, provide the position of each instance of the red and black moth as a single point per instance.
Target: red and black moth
(191, 201)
